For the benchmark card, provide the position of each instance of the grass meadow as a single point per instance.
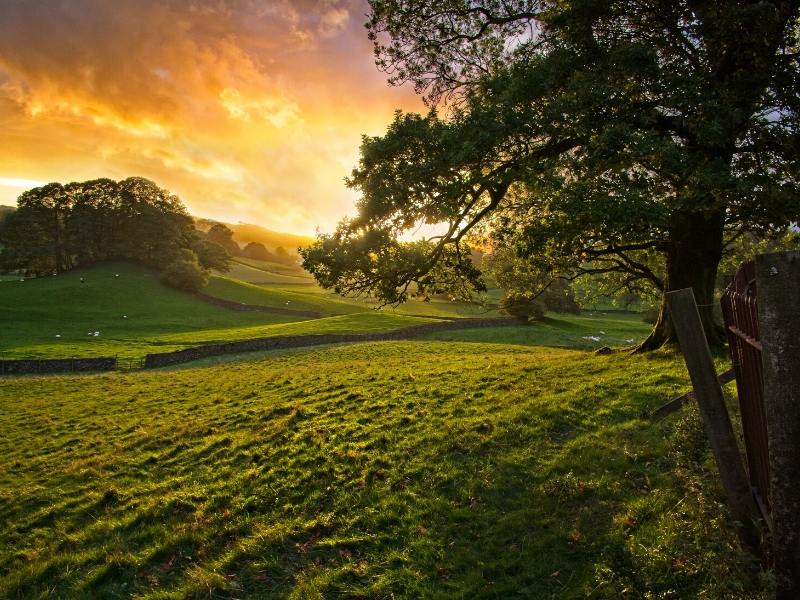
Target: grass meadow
(499, 462)
(381, 470)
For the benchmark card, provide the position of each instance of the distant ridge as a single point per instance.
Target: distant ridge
(244, 233)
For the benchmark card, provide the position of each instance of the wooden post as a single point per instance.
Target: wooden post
(778, 290)
(716, 420)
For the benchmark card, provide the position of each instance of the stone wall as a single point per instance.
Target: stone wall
(165, 359)
(230, 304)
(27, 366)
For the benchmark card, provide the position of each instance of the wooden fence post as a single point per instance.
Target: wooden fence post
(716, 420)
(778, 293)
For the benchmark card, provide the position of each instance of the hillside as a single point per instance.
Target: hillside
(135, 314)
(244, 233)
(371, 471)
(125, 303)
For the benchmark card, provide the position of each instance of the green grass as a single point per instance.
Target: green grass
(240, 291)
(280, 283)
(264, 274)
(159, 319)
(369, 322)
(37, 310)
(384, 470)
(569, 331)
(274, 267)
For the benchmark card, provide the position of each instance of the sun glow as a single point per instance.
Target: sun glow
(242, 110)
(19, 183)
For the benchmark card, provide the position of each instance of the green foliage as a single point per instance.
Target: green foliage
(211, 255)
(525, 278)
(184, 272)
(367, 262)
(257, 251)
(59, 227)
(621, 138)
(221, 234)
(524, 307)
(372, 470)
(745, 247)
(650, 315)
(282, 256)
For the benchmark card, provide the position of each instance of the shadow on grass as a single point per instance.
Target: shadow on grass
(402, 475)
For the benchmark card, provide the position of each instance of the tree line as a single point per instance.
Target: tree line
(222, 235)
(58, 227)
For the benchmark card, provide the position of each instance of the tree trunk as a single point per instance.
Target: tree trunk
(693, 253)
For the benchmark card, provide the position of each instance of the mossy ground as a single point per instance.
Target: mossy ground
(382, 470)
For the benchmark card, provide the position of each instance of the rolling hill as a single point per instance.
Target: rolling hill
(135, 314)
(244, 233)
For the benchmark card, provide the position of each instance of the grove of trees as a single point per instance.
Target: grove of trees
(635, 140)
(59, 227)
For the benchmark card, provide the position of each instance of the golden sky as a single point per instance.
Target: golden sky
(249, 110)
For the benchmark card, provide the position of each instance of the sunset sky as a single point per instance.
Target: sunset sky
(249, 110)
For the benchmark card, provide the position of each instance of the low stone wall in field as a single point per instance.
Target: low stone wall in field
(28, 366)
(230, 304)
(165, 359)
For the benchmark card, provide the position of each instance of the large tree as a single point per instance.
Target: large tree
(634, 137)
(58, 227)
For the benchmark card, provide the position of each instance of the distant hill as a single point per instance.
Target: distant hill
(244, 233)
(5, 211)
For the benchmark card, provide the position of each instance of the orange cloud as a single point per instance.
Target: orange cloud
(249, 110)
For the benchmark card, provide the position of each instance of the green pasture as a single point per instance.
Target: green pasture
(382, 470)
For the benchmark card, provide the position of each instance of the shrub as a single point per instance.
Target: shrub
(562, 303)
(522, 306)
(185, 273)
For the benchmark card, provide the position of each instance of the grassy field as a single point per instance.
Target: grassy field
(229, 288)
(135, 314)
(274, 267)
(271, 290)
(383, 470)
(261, 276)
(567, 331)
(126, 310)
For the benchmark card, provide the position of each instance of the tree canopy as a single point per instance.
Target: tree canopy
(627, 138)
(59, 227)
